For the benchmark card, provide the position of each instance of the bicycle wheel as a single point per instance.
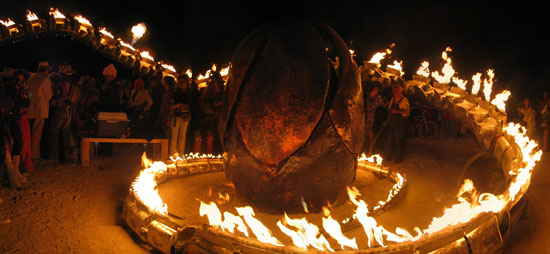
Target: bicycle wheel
(428, 130)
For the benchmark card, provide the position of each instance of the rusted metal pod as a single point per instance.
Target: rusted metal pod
(293, 119)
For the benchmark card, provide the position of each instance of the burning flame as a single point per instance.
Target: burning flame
(7, 23)
(477, 83)
(225, 71)
(138, 31)
(375, 158)
(377, 57)
(423, 70)
(373, 231)
(229, 223)
(500, 100)
(334, 229)
(488, 84)
(56, 13)
(460, 82)
(82, 20)
(124, 44)
(189, 73)
(397, 66)
(352, 53)
(447, 69)
(304, 234)
(104, 31)
(169, 67)
(145, 186)
(145, 54)
(31, 16)
(260, 231)
(530, 155)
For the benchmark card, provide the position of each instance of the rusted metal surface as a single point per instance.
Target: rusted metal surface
(293, 121)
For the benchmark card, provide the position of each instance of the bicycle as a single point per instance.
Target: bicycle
(421, 126)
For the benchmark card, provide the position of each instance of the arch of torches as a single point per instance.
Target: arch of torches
(79, 28)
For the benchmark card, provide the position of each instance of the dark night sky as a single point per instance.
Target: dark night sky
(507, 37)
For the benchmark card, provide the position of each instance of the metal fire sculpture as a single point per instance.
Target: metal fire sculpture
(293, 120)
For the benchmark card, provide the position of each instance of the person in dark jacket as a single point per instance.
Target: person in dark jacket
(109, 97)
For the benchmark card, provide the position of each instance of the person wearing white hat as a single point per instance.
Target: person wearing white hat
(40, 94)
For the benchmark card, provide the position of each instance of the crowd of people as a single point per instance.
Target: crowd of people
(45, 113)
(536, 119)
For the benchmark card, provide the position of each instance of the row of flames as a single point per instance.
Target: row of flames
(448, 75)
(305, 234)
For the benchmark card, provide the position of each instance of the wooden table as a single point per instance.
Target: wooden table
(160, 146)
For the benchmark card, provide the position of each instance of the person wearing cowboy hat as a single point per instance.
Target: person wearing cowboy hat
(40, 88)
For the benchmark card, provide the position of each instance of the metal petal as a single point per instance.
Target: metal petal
(284, 96)
(346, 106)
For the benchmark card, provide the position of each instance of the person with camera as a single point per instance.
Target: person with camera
(180, 116)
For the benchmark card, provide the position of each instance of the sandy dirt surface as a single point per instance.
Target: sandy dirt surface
(72, 209)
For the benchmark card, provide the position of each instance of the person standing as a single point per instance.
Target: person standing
(139, 105)
(20, 127)
(156, 95)
(109, 97)
(180, 116)
(372, 102)
(399, 111)
(162, 122)
(7, 103)
(528, 116)
(39, 106)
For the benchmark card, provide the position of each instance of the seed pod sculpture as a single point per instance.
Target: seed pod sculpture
(293, 118)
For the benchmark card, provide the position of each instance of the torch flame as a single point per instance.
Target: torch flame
(138, 31)
(423, 70)
(447, 69)
(31, 16)
(169, 67)
(124, 44)
(477, 83)
(82, 20)
(397, 66)
(225, 71)
(145, 54)
(488, 84)
(7, 23)
(500, 100)
(104, 31)
(56, 13)
(460, 82)
(189, 73)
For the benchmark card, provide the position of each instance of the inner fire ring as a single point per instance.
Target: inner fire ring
(468, 226)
